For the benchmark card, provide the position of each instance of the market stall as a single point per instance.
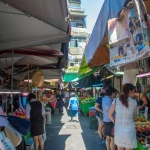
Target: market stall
(86, 103)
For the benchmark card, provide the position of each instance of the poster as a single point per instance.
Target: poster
(128, 36)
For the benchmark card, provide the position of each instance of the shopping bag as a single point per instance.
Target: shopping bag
(21, 125)
(53, 104)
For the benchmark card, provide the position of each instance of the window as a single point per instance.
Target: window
(77, 42)
(79, 25)
(73, 24)
(71, 64)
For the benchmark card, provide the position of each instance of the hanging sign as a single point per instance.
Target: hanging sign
(128, 36)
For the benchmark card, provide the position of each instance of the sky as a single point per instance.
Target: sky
(92, 9)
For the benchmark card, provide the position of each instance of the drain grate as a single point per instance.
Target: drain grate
(73, 127)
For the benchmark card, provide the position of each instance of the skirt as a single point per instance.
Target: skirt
(73, 113)
(37, 128)
(108, 127)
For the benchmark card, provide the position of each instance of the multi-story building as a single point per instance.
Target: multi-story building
(78, 41)
(78, 31)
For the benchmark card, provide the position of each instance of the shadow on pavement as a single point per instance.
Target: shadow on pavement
(90, 136)
(54, 140)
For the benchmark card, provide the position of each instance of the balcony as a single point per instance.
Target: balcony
(81, 32)
(76, 51)
(75, 1)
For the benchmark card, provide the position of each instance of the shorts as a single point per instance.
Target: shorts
(100, 121)
(108, 126)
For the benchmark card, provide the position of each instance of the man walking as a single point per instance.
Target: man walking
(67, 98)
(60, 100)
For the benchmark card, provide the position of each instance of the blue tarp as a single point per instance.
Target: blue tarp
(97, 85)
(110, 9)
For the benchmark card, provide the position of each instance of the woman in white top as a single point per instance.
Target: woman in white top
(124, 128)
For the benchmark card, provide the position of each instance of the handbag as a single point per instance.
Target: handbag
(21, 125)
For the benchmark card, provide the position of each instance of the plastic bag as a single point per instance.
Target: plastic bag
(5, 143)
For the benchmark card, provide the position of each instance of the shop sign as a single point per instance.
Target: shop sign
(128, 37)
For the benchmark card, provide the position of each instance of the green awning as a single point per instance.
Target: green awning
(84, 70)
(84, 67)
(68, 77)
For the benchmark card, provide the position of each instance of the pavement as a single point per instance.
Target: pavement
(63, 134)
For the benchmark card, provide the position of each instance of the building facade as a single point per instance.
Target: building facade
(78, 32)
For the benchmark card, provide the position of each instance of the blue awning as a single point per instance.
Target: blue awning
(97, 85)
(110, 9)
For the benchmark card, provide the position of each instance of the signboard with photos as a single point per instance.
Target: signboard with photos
(128, 36)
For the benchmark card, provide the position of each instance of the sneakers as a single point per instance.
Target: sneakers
(102, 141)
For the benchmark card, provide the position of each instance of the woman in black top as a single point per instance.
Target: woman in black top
(34, 112)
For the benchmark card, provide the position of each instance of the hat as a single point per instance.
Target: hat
(73, 94)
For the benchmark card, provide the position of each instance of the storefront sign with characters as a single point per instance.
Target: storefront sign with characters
(128, 36)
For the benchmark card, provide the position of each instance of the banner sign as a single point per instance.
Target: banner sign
(128, 36)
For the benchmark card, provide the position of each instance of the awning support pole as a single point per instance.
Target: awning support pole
(12, 72)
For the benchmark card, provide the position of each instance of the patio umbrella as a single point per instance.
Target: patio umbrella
(47, 73)
(33, 23)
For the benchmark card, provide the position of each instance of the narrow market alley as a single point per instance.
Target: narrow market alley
(65, 135)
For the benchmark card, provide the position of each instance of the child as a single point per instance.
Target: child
(73, 106)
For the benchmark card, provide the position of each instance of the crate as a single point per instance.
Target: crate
(93, 122)
(92, 111)
(30, 144)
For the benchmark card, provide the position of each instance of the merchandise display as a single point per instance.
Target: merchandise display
(86, 103)
(20, 113)
(142, 126)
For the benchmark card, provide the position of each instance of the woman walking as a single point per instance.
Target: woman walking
(73, 106)
(34, 112)
(124, 128)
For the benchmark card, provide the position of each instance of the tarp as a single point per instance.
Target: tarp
(83, 67)
(96, 53)
(33, 23)
(110, 9)
(102, 55)
(85, 80)
(68, 77)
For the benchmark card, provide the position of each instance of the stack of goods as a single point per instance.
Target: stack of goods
(88, 100)
(143, 131)
(20, 113)
(86, 103)
(92, 118)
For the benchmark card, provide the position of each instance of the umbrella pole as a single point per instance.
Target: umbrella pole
(28, 78)
(12, 72)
